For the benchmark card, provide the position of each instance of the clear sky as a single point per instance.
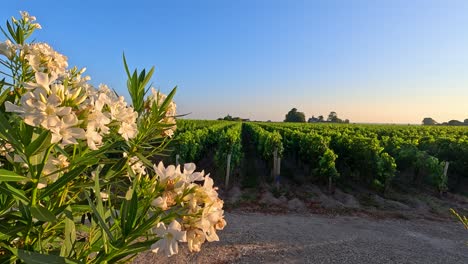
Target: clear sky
(394, 61)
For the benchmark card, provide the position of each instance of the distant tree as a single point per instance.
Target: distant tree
(230, 118)
(333, 117)
(465, 121)
(429, 121)
(455, 123)
(346, 121)
(320, 118)
(295, 116)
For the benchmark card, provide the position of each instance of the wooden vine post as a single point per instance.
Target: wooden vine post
(278, 171)
(228, 169)
(177, 157)
(441, 192)
(276, 167)
(275, 160)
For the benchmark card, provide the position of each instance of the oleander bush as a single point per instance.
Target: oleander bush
(77, 184)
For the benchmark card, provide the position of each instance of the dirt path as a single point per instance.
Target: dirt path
(262, 238)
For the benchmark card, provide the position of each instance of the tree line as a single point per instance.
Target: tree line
(295, 116)
(428, 121)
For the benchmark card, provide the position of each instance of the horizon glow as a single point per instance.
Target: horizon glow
(369, 61)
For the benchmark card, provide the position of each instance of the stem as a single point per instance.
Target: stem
(34, 194)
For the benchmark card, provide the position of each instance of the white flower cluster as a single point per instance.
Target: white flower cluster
(203, 209)
(60, 100)
(42, 58)
(136, 165)
(27, 22)
(158, 98)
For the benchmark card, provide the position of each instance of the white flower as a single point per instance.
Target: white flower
(43, 82)
(8, 49)
(93, 138)
(210, 220)
(66, 131)
(5, 148)
(160, 202)
(168, 245)
(51, 170)
(104, 196)
(42, 58)
(166, 174)
(195, 238)
(28, 19)
(189, 168)
(128, 130)
(158, 98)
(208, 188)
(137, 166)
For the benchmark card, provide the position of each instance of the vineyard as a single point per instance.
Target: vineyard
(377, 157)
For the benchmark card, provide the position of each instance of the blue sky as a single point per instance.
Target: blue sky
(370, 61)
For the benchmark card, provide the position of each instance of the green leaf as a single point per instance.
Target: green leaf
(169, 97)
(129, 211)
(7, 231)
(62, 181)
(5, 93)
(97, 216)
(10, 30)
(26, 133)
(131, 249)
(6, 34)
(6, 132)
(40, 143)
(148, 77)
(36, 258)
(25, 211)
(126, 66)
(145, 226)
(92, 157)
(98, 209)
(70, 233)
(16, 193)
(114, 169)
(42, 214)
(10, 176)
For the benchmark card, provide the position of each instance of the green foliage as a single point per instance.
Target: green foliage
(136, 85)
(371, 155)
(229, 142)
(386, 169)
(327, 164)
(43, 206)
(192, 144)
(267, 142)
(294, 116)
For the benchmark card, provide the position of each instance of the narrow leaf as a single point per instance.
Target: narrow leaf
(16, 193)
(10, 176)
(36, 258)
(62, 181)
(40, 143)
(42, 214)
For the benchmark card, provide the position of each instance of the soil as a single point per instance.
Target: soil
(311, 238)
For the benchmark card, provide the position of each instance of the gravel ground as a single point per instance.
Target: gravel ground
(293, 238)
